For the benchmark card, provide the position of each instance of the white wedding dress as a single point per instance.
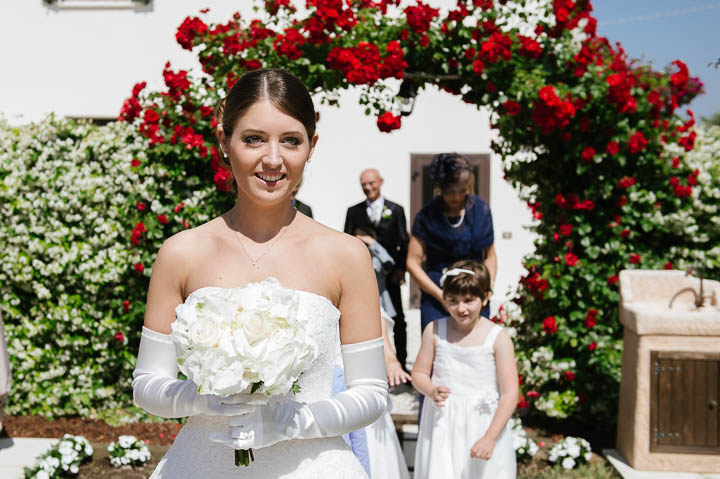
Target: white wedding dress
(193, 455)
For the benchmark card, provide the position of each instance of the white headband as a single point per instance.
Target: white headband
(454, 272)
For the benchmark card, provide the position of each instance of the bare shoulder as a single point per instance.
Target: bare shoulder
(338, 246)
(182, 251)
(503, 341)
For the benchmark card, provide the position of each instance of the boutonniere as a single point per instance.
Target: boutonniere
(386, 213)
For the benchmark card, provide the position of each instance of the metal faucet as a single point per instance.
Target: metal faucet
(699, 298)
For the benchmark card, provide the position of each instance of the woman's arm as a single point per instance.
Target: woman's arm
(491, 262)
(416, 252)
(395, 372)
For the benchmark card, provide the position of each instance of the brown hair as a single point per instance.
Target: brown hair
(464, 283)
(279, 87)
(219, 112)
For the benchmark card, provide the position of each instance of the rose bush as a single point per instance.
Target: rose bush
(591, 140)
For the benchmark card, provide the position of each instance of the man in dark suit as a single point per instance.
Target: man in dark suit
(387, 219)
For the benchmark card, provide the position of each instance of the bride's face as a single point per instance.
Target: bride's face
(267, 152)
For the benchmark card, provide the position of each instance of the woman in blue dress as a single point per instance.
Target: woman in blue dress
(454, 225)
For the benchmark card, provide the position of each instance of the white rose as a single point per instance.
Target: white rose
(568, 463)
(588, 456)
(574, 450)
(41, 474)
(205, 332)
(74, 469)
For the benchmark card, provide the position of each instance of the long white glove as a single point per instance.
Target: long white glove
(157, 389)
(363, 403)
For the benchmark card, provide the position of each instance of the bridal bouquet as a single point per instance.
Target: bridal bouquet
(244, 340)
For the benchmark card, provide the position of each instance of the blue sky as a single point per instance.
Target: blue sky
(660, 31)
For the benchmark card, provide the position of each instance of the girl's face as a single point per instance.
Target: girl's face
(267, 152)
(464, 308)
(454, 194)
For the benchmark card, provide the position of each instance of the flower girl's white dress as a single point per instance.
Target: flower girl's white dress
(448, 433)
(193, 455)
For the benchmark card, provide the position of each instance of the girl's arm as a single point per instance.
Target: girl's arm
(423, 366)
(508, 381)
(416, 251)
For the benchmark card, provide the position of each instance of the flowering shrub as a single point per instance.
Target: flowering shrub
(570, 452)
(82, 209)
(128, 451)
(590, 140)
(525, 447)
(62, 460)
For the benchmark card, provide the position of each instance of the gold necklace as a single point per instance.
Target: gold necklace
(255, 261)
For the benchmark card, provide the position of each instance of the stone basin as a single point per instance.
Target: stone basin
(645, 296)
(671, 359)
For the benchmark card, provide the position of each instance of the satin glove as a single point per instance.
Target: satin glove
(157, 389)
(362, 404)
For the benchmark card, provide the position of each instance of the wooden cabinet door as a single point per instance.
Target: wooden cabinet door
(684, 393)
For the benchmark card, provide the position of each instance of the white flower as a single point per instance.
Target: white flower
(568, 463)
(42, 474)
(231, 338)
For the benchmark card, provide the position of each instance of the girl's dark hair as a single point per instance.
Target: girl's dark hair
(464, 283)
(279, 87)
(447, 168)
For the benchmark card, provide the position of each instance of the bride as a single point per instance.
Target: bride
(268, 136)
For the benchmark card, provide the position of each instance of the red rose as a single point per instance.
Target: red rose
(588, 154)
(622, 201)
(625, 234)
(669, 265)
(591, 318)
(179, 207)
(637, 142)
(626, 182)
(162, 219)
(135, 163)
(388, 122)
(141, 206)
(569, 375)
(126, 306)
(253, 64)
(549, 325)
(532, 394)
(592, 346)
(139, 267)
(119, 337)
(223, 179)
(612, 280)
(612, 148)
(635, 258)
(512, 107)
(675, 162)
(566, 229)
(560, 201)
(571, 259)
(478, 67)
(522, 404)
(424, 40)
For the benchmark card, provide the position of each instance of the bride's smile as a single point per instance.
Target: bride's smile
(267, 150)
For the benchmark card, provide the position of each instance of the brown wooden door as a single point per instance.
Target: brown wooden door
(422, 191)
(685, 388)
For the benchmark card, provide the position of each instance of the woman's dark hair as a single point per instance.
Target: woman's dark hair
(464, 283)
(279, 87)
(447, 168)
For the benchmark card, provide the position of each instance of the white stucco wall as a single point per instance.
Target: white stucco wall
(85, 62)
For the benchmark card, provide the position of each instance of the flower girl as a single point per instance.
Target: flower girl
(464, 431)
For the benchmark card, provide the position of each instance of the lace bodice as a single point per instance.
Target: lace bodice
(192, 455)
